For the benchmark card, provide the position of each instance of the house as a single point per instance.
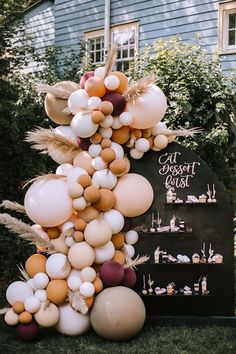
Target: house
(132, 24)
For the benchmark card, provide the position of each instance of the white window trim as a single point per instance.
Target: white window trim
(115, 28)
(225, 8)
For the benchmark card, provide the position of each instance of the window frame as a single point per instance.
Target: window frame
(225, 8)
(115, 28)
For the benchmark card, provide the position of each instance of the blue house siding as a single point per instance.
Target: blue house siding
(156, 18)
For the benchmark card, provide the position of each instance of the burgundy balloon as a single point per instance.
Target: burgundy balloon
(85, 77)
(27, 332)
(84, 143)
(118, 102)
(129, 279)
(111, 273)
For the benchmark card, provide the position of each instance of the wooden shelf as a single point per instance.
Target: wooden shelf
(182, 264)
(167, 233)
(195, 203)
(175, 296)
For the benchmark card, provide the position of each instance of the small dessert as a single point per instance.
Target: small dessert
(169, 196)
(218, 258)
(170, 289)
(202, 198)
(195, 258)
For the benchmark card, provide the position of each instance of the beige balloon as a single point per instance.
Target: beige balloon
(118, 313)
(55, 106)
(84, 160)
(47, 316)
(134, 195)
(81, 255)
(97, 233)
(88, 214)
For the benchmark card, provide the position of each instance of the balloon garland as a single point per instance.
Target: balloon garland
(83, 271)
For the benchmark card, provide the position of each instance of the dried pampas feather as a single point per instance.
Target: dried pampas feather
(58, 92)
(77, 302)
(7, 204)
(138, 88)
(23, 272)
(43, 178)
(110, 61)
(4, 310)
(132, 263)
(182, 132)
(25, 231)
(43, 139)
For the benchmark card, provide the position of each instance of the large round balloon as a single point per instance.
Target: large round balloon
(71, 322)
(134, 195)
(118, 314)
(47, 203)
(148, 109)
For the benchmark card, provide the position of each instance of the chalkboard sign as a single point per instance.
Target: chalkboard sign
(185, 227)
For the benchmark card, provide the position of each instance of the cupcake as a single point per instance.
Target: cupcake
(202, 198)
(195, 258)
(218, 258)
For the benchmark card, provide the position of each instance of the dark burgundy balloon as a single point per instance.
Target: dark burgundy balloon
(118, 102)
(127, 224)
(27, 332)
(129, 279)
(84, 143)
(111, 273)
(85, 77)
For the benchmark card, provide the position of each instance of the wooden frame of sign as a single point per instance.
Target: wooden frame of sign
(210, 223)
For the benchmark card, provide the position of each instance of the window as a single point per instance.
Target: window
(126, 38)
(227, 27)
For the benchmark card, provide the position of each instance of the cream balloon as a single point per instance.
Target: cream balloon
(74, 173)
(97, 233)
(78, 100)
(84, 160)
(134, 195)
(159, 128)
(148, 109)
(47, 316)
(83, 125)
(131, 237)
(63, 169)
(81, 255)
(118, 313)
(142, 145)
(104, 253)
(105, 178)
(107, 122)
(48, 203)
(32, 304)
(41, 295)
(160, 141)
(100, 72)
(94, 102)
(116, 123)
(87, 289)
(11, 318)
(57, 266)
(128, 250)
(88, 274)
(126, 118)
(18, 291)
(115, 220)
(119, 151)
(95, 150)
(135, 154)
(71, 322)
(41, 280)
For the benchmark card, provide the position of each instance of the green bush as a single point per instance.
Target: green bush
(199, 95)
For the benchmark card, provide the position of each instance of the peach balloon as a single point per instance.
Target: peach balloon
(94, 86)
(134, 195)
(84, 160)
(148, 109)
(81, 255)
(123, 82)
(88, 214)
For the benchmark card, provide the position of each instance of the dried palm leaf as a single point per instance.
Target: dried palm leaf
(58, 92)
(43, 139)
(7, 204)
(25, 231)
(132, 263)
(77, 302)
(23, 272)
(110, 61)
(4, 310)
(138, 88)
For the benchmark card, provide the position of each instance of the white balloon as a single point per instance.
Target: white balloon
(41, 295)
(116, 123)
(112, 82)
(57, 266)
(66, 226)
(105, 178)
(41, 280)
(104, 253)
(131, 237)
(11, 318)
(83, 125)
(32, 304)
(126, 118)
(75, 190)
(106, 133)
(78, 100)
(74, 173)
(95, 150)
(88, 274)
(48, 203)
(31, 284)
(142, 145)
(159, 128)
(69, 241)
(67, 132)
(63, 169)
(128, 250)
(71, 322)
(94, 102)
(79, 203)
(135, 154)
(119, 151)
(18, 291)
(100, 72)
(74, 283)
(98, 163)
(107, 122)
(115, 219)
(87, 289)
